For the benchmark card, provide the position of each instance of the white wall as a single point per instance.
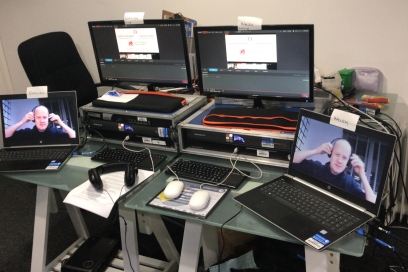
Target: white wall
(348, 33)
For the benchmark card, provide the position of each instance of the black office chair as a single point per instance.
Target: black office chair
(52, 60)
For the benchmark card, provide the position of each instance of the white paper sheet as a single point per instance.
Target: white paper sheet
(101, 202)
(121, 98)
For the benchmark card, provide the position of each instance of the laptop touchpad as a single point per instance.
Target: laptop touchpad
(264, 210)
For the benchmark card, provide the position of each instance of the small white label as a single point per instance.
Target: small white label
(158, 142)
(146, 140)
(344, 119)
(247, 23)
(37, 92)
(262, 153)
(133, 18)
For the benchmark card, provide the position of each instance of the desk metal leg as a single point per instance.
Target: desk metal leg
(41, 222)
(190, 251)
(322, 261)
(76, 218)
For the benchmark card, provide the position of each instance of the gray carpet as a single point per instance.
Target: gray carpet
(17, 207)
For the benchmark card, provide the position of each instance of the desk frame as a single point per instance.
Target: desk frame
(44, 200)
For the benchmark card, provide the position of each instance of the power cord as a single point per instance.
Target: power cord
(384, 245)
(127, 251)
(361, 232)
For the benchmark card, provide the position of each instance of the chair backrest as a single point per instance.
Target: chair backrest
(52, 60)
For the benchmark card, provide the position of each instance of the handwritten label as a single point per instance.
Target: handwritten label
(37, 92)
(249, 23)
(344, 119)
(133, 18)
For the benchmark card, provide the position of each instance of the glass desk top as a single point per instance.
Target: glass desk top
(246, 221)
(74, 172)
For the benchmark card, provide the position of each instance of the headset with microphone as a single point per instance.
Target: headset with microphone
(94, 174)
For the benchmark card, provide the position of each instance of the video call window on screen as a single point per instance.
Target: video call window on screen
(275, 63)
(372, 152)
(153, 53)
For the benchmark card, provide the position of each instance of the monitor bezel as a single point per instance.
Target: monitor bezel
(309, 27)
(138, 81)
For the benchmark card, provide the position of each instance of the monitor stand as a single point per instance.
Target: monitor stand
(133, 86)
(258, 103)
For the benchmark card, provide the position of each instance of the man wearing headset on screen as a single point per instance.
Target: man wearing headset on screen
(340, 153)
(41, 116)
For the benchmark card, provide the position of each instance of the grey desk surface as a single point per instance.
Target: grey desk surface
(246, 221)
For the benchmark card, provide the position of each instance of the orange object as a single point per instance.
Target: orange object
(375, 99)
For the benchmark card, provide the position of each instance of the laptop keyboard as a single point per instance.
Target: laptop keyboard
(34, 154)
(323, 212)
(140, 159)
(207, 173)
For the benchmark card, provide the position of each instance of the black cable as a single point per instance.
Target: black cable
(127, 251)
(86, 128)
(222, 237)
(384, 245)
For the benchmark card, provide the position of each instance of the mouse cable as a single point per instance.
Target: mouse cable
(127, 251)
(150, 154)
(233, 164)
(254, 164)
(174, 173)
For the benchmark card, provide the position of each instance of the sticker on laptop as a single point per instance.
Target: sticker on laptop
(317, 241)
(53, 165)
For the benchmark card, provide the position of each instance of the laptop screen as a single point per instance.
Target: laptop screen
(39, 121)
(350, 164)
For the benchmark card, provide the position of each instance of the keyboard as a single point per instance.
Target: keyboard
(310, 206)
(140, 159)
(34, 154)
(207, 173)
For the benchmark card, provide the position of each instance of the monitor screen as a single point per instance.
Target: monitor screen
(153, 53)
(275, 63)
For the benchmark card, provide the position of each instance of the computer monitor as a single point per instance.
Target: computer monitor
(153, 53)
(274, 63)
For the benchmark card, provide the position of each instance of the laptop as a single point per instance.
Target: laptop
(41, 141)
(331, 182)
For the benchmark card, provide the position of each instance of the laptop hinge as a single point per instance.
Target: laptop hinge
(331, 195)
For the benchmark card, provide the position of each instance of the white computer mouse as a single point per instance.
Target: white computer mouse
(199, 200)
(173, 189)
